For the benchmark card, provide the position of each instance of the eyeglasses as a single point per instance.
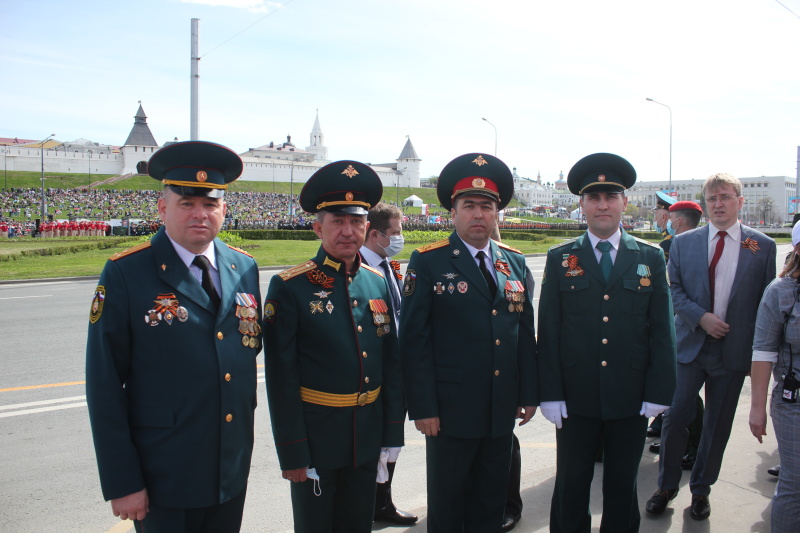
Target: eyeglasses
(723, 198)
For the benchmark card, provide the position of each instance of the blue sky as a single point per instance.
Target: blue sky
(559, 80)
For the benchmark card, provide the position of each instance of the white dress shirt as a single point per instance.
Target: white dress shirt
(726, 267)
(614, 240)
(187, 257)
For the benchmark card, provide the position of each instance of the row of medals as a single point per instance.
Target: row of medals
(248, 325)
(382, 321)
(515, 300)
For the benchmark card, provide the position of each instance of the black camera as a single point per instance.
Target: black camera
(790, 386)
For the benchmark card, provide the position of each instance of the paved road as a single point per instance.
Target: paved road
(48, 477)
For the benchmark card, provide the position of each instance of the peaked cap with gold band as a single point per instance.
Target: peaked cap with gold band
(196, 168)
(477, 173)
(601, 173)
(342, 187)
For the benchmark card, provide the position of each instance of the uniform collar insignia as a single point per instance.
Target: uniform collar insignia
(331, 263)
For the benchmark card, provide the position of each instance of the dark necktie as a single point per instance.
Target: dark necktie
(393, 292)
(480, 256)
(605, 259)
(201, 262)
(712, 268)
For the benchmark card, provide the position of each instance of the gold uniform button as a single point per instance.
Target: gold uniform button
(355, 303)
(605, 319)
(572, 286)
(497, 342)
(364, 355)
(360, 329)
(605, 341)
(494, 312)
(227, 377)
(220, 335)
(228, 417)
(604, 363)
(366, 379)
(496, 372)
(349, 280)
(606, 297)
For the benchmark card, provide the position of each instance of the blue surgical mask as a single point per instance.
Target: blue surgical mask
(396, 243)
(670, 229)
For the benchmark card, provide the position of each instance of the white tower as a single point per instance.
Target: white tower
(317, 146)
(408, 165)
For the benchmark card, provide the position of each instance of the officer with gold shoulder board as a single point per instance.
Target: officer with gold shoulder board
(468, 349)
(332, 368)
(171, 357)
(606, 350)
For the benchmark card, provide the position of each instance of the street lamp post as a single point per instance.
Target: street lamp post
(90, 164)
(495, 135)
(670, 140)
(41, 149)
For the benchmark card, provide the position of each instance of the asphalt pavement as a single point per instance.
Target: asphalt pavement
(48, 477)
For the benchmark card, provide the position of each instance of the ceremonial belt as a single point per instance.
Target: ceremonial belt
(338, 400)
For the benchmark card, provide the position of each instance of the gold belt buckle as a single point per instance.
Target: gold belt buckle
(362, 399)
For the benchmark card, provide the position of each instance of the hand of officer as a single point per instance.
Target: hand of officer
(525, 412)
(714, 326)
(298, 475)
(649, 410)
(428, 426)
(554, 412)
(758, 422)
(131, 507)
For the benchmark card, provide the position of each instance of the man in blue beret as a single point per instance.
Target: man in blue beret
(332, 368)
(606, 350)
(171, 357)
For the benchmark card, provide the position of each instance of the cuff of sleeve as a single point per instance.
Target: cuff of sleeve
(759, 355)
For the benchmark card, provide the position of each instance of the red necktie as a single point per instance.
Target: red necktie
(712, 268)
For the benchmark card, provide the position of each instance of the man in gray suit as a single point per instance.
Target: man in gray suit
(718, 273)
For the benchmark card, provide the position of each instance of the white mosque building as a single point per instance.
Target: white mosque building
(277, 162)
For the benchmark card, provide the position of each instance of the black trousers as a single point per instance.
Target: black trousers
(467, 483)
(623, 442)
(343, 502)
(222, 518)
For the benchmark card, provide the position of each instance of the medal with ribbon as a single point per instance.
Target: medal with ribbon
(573, 269)
(502, 266)
(750, 244)
(247, 313)
(380, 316)
(166, 307)
(515, 294)
(644, 271)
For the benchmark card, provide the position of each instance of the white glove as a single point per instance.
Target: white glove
(554, 411)
(649, 410)
(388, 455)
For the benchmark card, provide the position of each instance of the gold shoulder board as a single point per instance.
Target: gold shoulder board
(297, 270)
(378, 272)
(433, 246)
(507, 247)
(129, 251)
(238, 250)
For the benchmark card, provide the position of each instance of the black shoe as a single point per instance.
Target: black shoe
(653, 432)
(396, 516)
(657, 504)
(687, 463)
(655, 447)
(701, 509)
(510, 522)
(774, 471)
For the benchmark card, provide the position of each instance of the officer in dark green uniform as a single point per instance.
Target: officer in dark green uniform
(171, 357)
(468, 350)
(606, 350)
(333, 374)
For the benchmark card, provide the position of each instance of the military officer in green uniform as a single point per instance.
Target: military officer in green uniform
(333, 373)
(468, 350)
(171, 357)
(606, 350)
